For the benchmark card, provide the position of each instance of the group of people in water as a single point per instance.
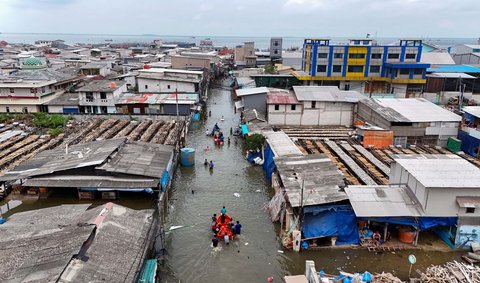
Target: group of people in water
(224, 228)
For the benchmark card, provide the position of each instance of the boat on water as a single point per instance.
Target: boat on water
(109, 39)
(222, 227)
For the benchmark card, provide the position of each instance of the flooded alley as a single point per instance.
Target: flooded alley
(257, 253)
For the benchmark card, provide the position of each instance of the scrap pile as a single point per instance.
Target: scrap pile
(450, 272)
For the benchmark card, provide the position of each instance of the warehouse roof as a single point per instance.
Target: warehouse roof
(383, 201)
(320, 178)
(89, 181)
(437, 58)
(451, 75)
(440, 171)
(65, 99)
(410, 110)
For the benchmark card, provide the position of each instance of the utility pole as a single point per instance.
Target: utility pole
(301, 204)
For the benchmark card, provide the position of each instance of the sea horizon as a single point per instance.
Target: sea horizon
(261, 42)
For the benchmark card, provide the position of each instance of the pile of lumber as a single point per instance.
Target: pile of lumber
(453, 271)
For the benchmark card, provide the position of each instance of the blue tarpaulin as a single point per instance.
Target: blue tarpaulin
(268, 163)
(244, 129)
(164, 180)
(470, 144)
(432, 222)
(329, 221)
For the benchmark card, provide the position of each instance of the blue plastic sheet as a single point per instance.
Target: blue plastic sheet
(164, 180)
(407, 221)
(329, 221)
(470, 144)
(244, 129)
(268, 163)
(432, 222)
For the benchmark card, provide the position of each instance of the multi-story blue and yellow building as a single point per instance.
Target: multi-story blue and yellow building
(364, 66)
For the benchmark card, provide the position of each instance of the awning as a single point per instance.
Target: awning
(468, 202)
(239, 104)
(451, 75)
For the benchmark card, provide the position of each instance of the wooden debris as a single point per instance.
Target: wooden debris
(150, 132)
(138, 131)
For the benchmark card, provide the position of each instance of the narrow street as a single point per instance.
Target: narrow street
(251, 257)
(254, 255)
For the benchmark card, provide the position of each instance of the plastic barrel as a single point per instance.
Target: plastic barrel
(187, 156)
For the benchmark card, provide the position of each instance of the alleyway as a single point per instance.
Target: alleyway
(254, 256)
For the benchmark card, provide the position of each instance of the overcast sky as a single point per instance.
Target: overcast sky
(386, 18)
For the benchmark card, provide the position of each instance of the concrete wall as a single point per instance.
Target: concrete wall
(156, 85)
(19, 108)
(184, 62)
(284, 115)
(327, 114)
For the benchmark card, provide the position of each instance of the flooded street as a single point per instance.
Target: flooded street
(254, 255)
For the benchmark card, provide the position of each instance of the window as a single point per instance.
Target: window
(43, 89)
(7, 109)
(404, 71)
(275, 51)
(168, 86)
(366, 42)
(322, 55)
(277, 107)
(470, 210)
(103, 95)
(356, 55)
(410, 56)
(356, 42)
(376, 55)
(89, 96)
(337, 68)
(314, 104)
(374, 69)
(393, 56)
(355, 69)
(12, 90)
(293, 107)
(275, 43)
(33, 90)
(146, 86)
(321, 68)
(347, 86)
(418, 71)
(25, 110)
(338, 55)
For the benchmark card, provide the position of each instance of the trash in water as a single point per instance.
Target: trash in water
(246, 244)
(175, 228)
(237, 195)
(280, 251)
(258, 191)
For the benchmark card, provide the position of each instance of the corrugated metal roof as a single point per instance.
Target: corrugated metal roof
(142, 159)
(450, 75)
(383, 201)
(89, 181)
(472, 110)
(434, 58)
(251, 91)
(326, 93)
(281, 144)
(411, 110)
(321, 179)
(453, 69)
(281, 97)
(440, 171)
(470, 202)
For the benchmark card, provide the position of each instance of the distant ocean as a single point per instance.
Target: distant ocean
(229, 41)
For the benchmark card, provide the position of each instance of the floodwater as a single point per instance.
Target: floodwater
(253, 256)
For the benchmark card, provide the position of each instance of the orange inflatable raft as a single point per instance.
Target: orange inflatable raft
(223, 227)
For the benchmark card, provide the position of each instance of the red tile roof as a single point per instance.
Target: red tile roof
(281, 97)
